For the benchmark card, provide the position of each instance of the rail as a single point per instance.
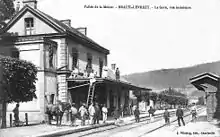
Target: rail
(130, 125)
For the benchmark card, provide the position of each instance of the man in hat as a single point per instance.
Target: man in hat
(83, 112)
(136, 114)
(179, 115)
(97, 113)
(49, 112)
(166, 116)
(73, 114)
(91, 113)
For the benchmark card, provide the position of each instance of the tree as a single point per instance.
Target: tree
(153, 96)
(6, 11)
(19, 79)
(18, 82)
(173, 97)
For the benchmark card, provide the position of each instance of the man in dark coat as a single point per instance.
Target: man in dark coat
(97, 114)
(136, 114)
(166, 116)
(49, 112)
(179, 114)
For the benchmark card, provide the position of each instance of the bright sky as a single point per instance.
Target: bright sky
(144, 40)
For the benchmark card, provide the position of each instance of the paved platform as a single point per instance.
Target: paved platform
(200, 128)
(44, 129)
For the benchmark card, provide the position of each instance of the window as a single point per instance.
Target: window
(89, 63)
(100, 67)
(15, 54)
(29, 26)
(52, 98)
(74, 58)
(50, 56)
(89, 60)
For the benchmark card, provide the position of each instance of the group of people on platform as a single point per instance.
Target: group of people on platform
(180, 115)
(90, 73)
(94, 113)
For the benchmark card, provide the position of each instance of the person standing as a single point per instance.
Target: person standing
(73, 114)
(130, 109)
(49, 112)
(133, 108)
(194, 112)
(166, 116)
(179, 114)
(16, 114)
(104, 113)
(117, 74)
(121, 111)
(97, 114)
(83, 112)
(91, 113)
(136, 114)
(151, 113)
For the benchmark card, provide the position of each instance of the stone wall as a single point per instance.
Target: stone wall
(211, 105)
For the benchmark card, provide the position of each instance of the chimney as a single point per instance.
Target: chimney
(31, 3)
(66, 22)
(113, 66)
(82, 30)
(17, 8)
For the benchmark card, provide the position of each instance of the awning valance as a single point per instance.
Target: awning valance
(106, 81)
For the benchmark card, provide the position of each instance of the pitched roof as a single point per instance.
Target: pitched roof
(204, 75)
(200, 80)
(58, 25)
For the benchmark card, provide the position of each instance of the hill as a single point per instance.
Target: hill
(176, 78)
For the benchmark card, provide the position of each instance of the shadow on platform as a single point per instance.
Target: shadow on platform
(202, 119)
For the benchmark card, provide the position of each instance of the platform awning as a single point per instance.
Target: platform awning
(200, 87)
(107, 80)
(204, 78)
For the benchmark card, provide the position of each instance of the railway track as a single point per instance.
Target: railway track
(128, 126)
(174, 128)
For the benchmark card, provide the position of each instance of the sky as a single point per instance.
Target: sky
(142, 40)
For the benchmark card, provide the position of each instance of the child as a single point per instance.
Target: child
(166, 116)
(136, 114)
